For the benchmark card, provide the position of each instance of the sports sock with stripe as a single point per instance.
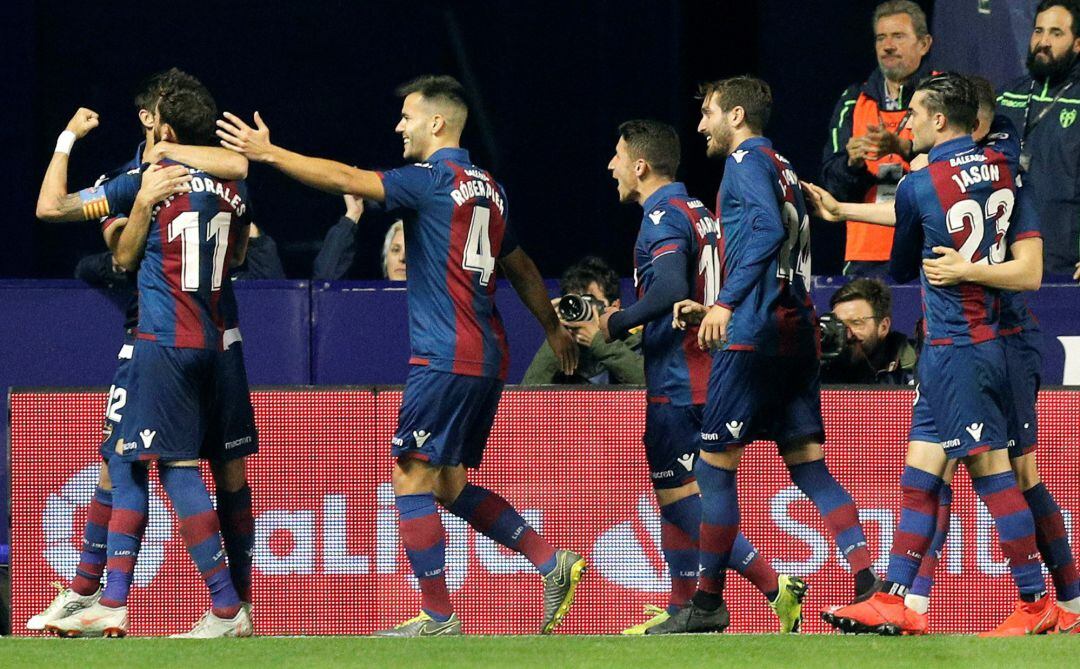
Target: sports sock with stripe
(719, 523)
(238, 533)
(127, 523)
(680, 527)
(95, 542)
(918, 519)
(424, 539)
(1053, 543)
(492, 516)
(1016, 531)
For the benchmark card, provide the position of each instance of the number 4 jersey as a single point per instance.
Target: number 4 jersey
(967, 199)
(455, 226)
(186, 261)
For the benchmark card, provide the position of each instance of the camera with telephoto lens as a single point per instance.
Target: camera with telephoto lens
(574, 308)
(834, 340)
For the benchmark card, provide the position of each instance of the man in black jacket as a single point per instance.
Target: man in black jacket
(1045, 108)
(875, 353)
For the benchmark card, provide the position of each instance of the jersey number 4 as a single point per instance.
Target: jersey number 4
(186, 227)
(970, 216)
(478, 257)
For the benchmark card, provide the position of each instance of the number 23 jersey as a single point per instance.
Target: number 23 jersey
(455, 228)
(967, 199)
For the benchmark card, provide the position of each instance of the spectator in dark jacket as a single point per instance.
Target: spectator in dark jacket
(874, 352)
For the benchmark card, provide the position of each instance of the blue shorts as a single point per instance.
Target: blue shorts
(116, 403)
(445, 418)
(1023, 367)
(230, 430)
(960, 397)
(168, 398)
(672, 437)
(754, 396)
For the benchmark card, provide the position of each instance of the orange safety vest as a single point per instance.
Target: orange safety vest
(867, 241)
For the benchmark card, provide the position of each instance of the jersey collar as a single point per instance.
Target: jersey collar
(753, 143)
(952, 147)
(673, 189)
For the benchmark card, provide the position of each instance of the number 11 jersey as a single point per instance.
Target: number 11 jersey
(186, 261)
(455, 228)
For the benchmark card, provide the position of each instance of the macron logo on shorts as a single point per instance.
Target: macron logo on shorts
(735, 428)
(687, 461)
(975, 430)
(420, 436)
(147, 436)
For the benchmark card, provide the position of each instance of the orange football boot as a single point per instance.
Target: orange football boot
(880, 614)
(1028, 618)
(1067, 622)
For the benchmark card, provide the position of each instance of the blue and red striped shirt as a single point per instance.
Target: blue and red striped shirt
(455, 217)
(185, 296)
(676, 370)
(765, 246)
(966, 199)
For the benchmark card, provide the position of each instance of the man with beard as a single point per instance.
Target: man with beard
(869, 145)
(1044, 107)
(874, 353)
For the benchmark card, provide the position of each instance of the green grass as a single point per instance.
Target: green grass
(744, 651)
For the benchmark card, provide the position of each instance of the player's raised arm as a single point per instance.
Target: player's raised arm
(326, 175)
(54, 203)
(529, 285)
(828, 208)
(158, 183)
(219, 162)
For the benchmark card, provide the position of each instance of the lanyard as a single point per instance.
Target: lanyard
(1043, 113)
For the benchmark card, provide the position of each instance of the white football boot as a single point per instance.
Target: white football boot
(212, 627)
(66, 603)
(96, 620)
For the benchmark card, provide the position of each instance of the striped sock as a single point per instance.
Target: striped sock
(837, 509)
(492, 516)
(1016, 530)
(424, 539)
(918, 520)
(746, 560)
(201, 533)
(95, 540)
(238, 533)
(1053, 542)
(680, 528)
(131, 501)
(924, 580)
(719, 523)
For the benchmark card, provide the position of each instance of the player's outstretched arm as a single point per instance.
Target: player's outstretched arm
(54, 203)
(216, 161)
(326, 175)
(1022, 272)
(828, 208)
(529, 285)
(158, 183)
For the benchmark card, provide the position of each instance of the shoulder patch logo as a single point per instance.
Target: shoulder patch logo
(656, 216)
(739, 155)
(1067, 117)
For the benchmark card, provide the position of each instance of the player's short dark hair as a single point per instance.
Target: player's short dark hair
(436, 87)
(157, 84)
(750, 93)
(894, 7)
(953, 95)
(577, 277)
(654, 142)
(1071, 6)
(874, 291)
(191, 112)
(985, 92)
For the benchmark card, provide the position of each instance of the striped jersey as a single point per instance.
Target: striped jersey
(455, 217)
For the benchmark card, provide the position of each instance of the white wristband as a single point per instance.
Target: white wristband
(64, 143)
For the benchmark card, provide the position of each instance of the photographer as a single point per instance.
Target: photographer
(866, 351)
(617, 362)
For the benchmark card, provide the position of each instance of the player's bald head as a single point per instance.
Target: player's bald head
(440, 95)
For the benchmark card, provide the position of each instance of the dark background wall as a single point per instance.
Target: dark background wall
(550, 80)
